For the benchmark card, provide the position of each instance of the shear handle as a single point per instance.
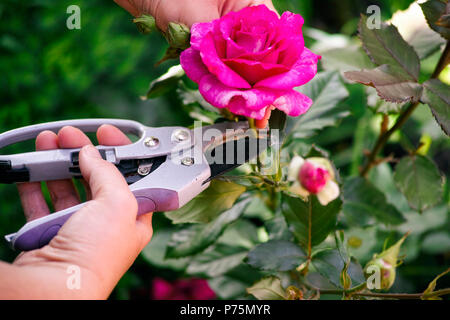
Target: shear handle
(85, 125)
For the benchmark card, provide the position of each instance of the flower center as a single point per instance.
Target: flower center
(313, 178)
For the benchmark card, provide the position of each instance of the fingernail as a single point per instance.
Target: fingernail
(91, 152)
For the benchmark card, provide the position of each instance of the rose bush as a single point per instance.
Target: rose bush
(249, 61)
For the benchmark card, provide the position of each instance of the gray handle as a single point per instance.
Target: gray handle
(85, 125)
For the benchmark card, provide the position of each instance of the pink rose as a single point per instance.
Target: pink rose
(249, 61)
(184, 289)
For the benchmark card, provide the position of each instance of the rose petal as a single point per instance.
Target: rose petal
(216, 66)
(302, 71)
(293, 103)
(193, 65)
(291, 22)
(297, 188)
(199, 31)
(328, 193)
(294, 168)
(251, 103)
(253, 71)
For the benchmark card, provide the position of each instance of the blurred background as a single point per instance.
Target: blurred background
(49, 73)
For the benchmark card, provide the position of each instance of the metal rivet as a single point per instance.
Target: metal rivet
(181, 135)
(144, 170)
(188, 161)
(151, 142)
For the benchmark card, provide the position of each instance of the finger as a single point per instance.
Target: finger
(144, 229)
(33, 201)
(108, 135)
(31, 196)
(63, 192)
(107, 183)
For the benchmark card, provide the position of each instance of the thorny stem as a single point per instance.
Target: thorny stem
(409, 296)
(358, 292)
(384, 136)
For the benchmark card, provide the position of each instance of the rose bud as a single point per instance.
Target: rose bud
(386, 262)
(313, 176)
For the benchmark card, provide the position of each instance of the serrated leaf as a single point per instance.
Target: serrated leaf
(436, 12)
(390, 86)
(330, 265)
(220, 196)
(276, 255)
(268, 288)
(323, 219)
(326, 90)
(419, 180)
(363, 201)
(217, 260)
(413, 27)
(386, 46)
(164, 83)
(199, 237)
(379, 105)
(437, 95)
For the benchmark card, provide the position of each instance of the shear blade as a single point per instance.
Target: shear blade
(233, 153)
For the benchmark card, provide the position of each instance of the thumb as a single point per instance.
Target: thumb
(105, 181)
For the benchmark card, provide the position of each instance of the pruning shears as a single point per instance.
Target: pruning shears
(165, 168)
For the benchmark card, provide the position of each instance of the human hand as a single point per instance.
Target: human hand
(187, 11)
(101, 240)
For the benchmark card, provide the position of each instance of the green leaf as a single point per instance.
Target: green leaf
(326, 90)
(330, 264)
(345, 59)
(323, 219)
(379, 105)
(234, 284)
(217, 260)
(436, 12)
(220, 196)
(386, 46)
(277, 228)
(390, 86)
(419, 180)
(437, 95)
(165, 83)
(268, 288)
(432, 285)
(413, 27)
(276, 255)
(154, 252)
(199, 237)
(436, 243)
(362, 201)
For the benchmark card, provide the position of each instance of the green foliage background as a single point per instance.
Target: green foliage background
(49, 73)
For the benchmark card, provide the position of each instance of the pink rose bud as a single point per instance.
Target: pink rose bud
(313, 178)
